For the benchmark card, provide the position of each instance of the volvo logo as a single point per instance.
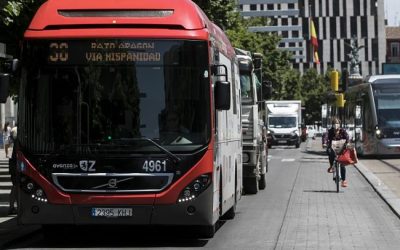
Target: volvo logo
(112, 183)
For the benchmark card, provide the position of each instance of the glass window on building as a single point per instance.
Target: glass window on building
(253, 6)
(285, 34)
(284, 21)
(291, 6)
(336, 9)
(333, 27)
(364, 26)
(270, 7)
(343, 27)
(357, 6)
(295, 33)
(394, 49)
(353, 24)
(311, 8)
(373, 7)
(375, 49)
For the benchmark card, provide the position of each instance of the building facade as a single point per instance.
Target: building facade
(393, 44)
(336, 23)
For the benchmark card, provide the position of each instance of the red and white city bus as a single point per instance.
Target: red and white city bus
(129, 113)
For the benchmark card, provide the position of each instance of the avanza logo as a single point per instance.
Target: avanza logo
(87, 166)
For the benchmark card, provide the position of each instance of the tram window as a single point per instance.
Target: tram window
(367, 116)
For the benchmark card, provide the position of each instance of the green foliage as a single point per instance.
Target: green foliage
(314, 90)
(15, 16)
(222, 12)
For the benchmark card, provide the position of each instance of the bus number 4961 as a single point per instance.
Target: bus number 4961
(155, 166)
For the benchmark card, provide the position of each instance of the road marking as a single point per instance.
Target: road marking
(287, 159)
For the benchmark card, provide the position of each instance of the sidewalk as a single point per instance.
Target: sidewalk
(5, 186)
(383, 191)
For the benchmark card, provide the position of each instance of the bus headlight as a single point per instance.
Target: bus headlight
(33, 189)
(194, 189)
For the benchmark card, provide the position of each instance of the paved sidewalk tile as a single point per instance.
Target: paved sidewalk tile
(320, 218)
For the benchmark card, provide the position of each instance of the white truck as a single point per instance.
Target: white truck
(283, 120)
(255, 150)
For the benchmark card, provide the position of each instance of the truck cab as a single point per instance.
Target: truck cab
(283, 119)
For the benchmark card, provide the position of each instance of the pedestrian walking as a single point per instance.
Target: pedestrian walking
(12, 168)
(6, 137)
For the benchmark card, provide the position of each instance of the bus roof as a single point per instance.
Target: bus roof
(373, 78)
(183, 14)
(180, 19)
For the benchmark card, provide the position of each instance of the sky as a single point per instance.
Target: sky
(392, 12)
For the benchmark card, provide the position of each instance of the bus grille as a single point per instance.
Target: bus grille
(112, 183)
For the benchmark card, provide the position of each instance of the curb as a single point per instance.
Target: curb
(383, 191)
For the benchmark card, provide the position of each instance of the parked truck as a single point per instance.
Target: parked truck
(283, 120)
(255, 150)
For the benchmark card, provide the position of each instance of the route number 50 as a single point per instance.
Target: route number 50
(58, 52)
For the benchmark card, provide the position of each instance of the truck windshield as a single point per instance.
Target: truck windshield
(104, 92)
(246, 85)
(282, 122)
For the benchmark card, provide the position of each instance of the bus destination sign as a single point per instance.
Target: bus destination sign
(102, 52)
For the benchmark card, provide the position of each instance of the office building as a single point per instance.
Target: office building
(336, 22)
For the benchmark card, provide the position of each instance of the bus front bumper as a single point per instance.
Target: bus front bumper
(195, 212)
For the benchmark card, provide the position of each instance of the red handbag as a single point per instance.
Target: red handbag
(348, 156)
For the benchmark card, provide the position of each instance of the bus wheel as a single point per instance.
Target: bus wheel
(250, 185)
(207, 231)
(262, 183)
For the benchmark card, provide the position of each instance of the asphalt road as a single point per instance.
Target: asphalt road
(298, 210)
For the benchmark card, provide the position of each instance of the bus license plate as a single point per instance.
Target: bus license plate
(111, 212)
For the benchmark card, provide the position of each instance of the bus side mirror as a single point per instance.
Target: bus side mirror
(4, 87)
(222, 95)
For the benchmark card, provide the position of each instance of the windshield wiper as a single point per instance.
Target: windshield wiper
(174, 158)
(95, 147)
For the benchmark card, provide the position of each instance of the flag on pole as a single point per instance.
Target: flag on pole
(314, 41)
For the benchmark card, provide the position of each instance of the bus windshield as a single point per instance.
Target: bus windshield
(111, 92)
(387, 105)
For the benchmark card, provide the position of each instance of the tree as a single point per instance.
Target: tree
(314, 91)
